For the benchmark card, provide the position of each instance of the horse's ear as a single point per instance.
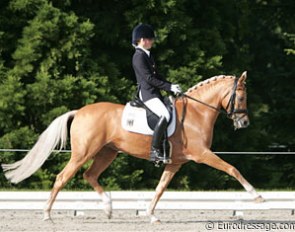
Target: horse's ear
(243, 77)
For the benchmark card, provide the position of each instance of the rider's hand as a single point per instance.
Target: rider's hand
(176, 89)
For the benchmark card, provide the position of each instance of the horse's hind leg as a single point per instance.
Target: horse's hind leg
(61, 179)
(214, 161)
(101, 161)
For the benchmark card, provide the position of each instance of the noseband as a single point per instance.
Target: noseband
(230, 105)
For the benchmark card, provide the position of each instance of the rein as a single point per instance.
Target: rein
(231, 103)
(204, 103)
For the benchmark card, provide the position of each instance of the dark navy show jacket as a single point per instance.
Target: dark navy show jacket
(149, 81)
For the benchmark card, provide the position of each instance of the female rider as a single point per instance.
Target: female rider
(150, 83)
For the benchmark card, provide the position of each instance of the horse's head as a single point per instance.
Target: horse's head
(235, 103)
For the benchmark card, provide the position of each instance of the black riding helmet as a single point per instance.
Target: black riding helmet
(142, 31)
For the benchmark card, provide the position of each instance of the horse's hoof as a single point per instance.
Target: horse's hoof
(109, 215)
(46, 216)
(108, 209)
(259, 199)
(47, 219)
(155, 220)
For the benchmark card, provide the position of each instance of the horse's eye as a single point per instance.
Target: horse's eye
(241, 99)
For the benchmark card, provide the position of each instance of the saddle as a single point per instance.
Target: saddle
(138, 118)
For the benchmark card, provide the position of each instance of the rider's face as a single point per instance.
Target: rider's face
(147, 43)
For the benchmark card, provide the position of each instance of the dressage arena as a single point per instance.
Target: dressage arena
(126, 220)
(276, 214)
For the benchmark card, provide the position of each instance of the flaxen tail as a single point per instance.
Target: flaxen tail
(56, 133)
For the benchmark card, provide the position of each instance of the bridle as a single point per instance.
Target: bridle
(230, 109)
(232, 102)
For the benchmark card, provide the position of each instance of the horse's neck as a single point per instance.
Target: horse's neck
(210, 94)
(200, 115)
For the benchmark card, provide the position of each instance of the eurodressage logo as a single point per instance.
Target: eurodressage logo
(247, 226)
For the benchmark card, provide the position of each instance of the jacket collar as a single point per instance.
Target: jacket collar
(145, 50)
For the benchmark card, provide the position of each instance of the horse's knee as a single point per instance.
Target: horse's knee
(233, 171)
(59, 183)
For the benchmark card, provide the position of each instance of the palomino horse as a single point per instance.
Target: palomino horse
(96, 134)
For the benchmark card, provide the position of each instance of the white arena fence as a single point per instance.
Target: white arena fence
(139, 200)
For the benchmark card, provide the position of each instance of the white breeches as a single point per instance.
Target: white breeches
(158, 107)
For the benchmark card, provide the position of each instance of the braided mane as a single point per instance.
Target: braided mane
(208, 81)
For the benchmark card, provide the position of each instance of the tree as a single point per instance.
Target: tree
(57, 56)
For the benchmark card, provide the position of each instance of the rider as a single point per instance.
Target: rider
(149, 85)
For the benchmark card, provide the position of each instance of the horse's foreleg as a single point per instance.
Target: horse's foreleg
(61, 179)
(166, 177)
(214, 161)
(101, 161)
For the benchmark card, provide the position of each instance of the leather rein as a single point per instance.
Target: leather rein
(230, 105)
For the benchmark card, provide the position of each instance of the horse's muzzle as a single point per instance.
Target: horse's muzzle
(241, 122)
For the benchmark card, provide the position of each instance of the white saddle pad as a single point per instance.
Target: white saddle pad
(134, 120)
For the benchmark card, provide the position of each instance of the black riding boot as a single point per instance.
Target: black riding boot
(158, 151)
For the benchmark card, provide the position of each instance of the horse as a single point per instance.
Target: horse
(96, 133)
